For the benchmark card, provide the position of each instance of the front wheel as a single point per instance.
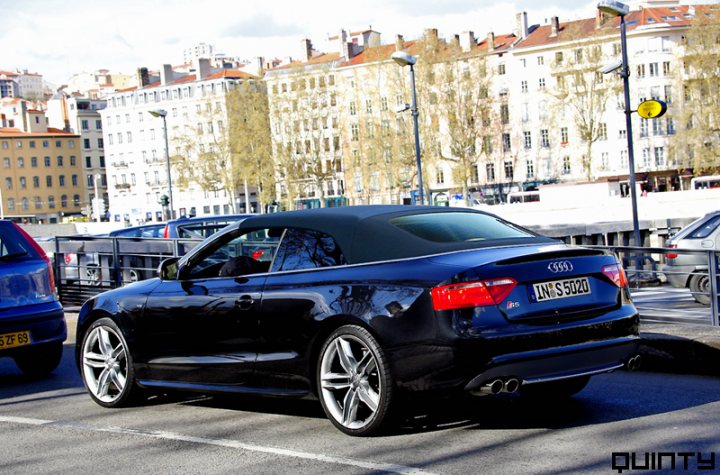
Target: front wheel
(700, 288)
(354, 381)
(555, 389)
(107, 365)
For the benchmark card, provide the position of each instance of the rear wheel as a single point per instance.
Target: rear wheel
(354, 381)
(700, 288)
(555, 389)
(41, 359)
(106, 363)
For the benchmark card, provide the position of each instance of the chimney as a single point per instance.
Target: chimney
(399, 43)
(467, 41)
(143, 78)
(166, 74)
(521, 25)
(599, 19)
(455, 42)
(258, 65)
(431, 36)
(491, 41)
(345, 48)
(305, 49)
(202, 67)
(554, 26)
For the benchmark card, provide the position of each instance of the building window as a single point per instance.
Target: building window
(623, 159)
(604, 160)
(660, 156)
(563, 135)
(60, 160)
(509, 170)
(541, 60)
(38, 202)
(48, 181)
(566, 165)
(11, 204)
(74, 180)
(666, 68)
(440, 176)
(646, 157)
(544, 138)
(602, 131)
(541, 83)
(352, 109)
(76, 200)
(644, 127)
(354, 132)
(501, 69)
(23, 182)
(63, 201)
(98, 124)
(84, 124)
(490, 171)
(47, 162)
(527, 139)
(73, 161)
(8, 183)
(6, 162)
(368, 106)
(559, 57)
(523, 86)
(670, 126)
(504, 113)
(641, 70)
(36, 182)
(506, 142)
(654, 70)
(530, 169)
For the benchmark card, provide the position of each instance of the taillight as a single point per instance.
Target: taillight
(166, 232)
(616, 274)
(671, 255)
(68, 258)
(472, 294)
(257, 254)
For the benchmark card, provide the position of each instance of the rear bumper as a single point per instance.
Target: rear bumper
(45, 322)
(559, 363)
(678, 276)
(532, 354)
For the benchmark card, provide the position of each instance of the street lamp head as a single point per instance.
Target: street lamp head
(403, 59)
(158, 113)
(613, 7)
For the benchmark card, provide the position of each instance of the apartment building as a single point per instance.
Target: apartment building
(81, 116)
(535, 80)
(41, 175)
(134, 139)
(21, 84)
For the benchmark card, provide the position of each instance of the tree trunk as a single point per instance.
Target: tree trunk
(248, 210)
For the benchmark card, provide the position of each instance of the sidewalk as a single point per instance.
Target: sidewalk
(665, 348)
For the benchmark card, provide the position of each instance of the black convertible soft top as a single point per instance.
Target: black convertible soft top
(366, 233)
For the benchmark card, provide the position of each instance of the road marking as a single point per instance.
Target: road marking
(233, 444)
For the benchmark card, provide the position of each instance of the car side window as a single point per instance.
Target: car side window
(247, 253)
(706, 229)
(307, 249)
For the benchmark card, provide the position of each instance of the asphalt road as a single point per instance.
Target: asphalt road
(52, 426)
(665, 303)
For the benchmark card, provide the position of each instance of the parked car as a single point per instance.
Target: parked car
(690, 270)
(360, 306)
(138, 267)
(32, 323)
(199, 227)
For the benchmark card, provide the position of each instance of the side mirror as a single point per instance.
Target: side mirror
(168, 269)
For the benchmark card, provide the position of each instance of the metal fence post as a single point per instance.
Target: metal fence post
(117, 274)
(712, 275)
(57, 269)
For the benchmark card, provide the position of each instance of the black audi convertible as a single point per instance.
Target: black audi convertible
(359, 306)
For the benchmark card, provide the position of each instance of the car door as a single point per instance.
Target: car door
(202, 328)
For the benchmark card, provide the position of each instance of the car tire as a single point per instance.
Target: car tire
(106, 365)
(700, 287)
(354, 381)
(563, 388)
(40, 360)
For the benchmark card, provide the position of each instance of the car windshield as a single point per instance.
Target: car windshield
(705, 229)
(458, 227)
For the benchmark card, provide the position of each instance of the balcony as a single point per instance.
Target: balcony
(122, 186)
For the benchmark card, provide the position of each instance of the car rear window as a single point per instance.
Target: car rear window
(458, 227)
(13, 245)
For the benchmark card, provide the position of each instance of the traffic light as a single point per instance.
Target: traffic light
(164, 200)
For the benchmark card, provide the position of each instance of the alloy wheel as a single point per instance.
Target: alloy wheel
(105, 364)
(350, 383)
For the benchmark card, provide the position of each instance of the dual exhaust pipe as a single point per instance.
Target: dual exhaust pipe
(497, 386)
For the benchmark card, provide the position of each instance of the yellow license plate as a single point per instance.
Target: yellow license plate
(12, 340)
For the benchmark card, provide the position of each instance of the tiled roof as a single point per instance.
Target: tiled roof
(225, 73)
(569, 31)
(231, 73)
(51, 132)
(323, 58)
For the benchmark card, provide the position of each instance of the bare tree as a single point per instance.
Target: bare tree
(697, 143)
(582, 93)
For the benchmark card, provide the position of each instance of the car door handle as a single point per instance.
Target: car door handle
(244, 302)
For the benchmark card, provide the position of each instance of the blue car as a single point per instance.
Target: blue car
(199, 227)
(32, 323)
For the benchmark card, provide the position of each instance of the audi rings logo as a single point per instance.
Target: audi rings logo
(560, 266)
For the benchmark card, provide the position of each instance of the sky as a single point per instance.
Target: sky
(60, 38)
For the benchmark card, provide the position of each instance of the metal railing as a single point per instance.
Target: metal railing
(664, 291)
(87, 265)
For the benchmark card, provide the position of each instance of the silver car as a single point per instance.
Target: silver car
(690, 270)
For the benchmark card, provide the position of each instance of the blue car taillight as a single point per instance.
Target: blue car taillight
(472, 294)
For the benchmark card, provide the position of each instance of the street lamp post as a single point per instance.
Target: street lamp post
(97, 201)
(404, 59)
(615, 8)
(163, 113)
